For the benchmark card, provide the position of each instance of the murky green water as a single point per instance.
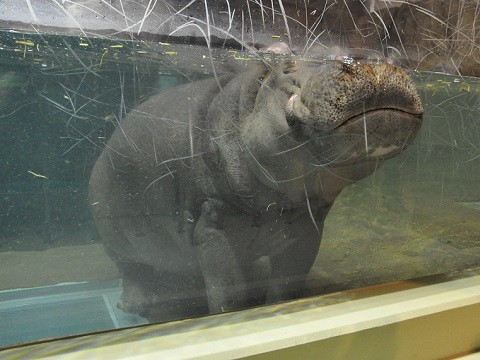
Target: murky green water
(62, 97)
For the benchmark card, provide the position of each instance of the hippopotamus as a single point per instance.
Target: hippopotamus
(212, 196)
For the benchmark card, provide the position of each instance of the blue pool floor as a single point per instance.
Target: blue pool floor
(61, 310)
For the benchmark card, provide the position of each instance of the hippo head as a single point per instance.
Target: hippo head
(353, 113)
(341, 118)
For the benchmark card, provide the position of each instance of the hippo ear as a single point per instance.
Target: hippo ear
(279, 48)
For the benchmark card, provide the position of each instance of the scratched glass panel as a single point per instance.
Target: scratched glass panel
(147, 181)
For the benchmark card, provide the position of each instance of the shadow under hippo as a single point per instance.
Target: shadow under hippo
(212, 196)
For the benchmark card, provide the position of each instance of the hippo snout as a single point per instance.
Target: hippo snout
(342, 91)
(356, 112)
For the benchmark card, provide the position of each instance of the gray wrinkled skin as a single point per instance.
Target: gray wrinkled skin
(211, 200)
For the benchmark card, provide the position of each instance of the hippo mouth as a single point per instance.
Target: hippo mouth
(376, 134)
(395, 115)
(299, 118)
(392, 112)
(380, 133)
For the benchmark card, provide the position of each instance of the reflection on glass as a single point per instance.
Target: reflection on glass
(138, 186)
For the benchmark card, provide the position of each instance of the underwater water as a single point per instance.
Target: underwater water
(61, 99)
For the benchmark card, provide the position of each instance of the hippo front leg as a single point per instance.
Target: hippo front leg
(224, 278)
(291, 267)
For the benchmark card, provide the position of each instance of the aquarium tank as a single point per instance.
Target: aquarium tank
(174, 159)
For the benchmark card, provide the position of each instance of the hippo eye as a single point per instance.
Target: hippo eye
(290, 66)
(289, 70)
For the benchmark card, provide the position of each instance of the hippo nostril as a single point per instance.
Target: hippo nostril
(348, 68)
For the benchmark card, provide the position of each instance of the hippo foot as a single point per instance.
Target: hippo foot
(136, 299)
(177, 309)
